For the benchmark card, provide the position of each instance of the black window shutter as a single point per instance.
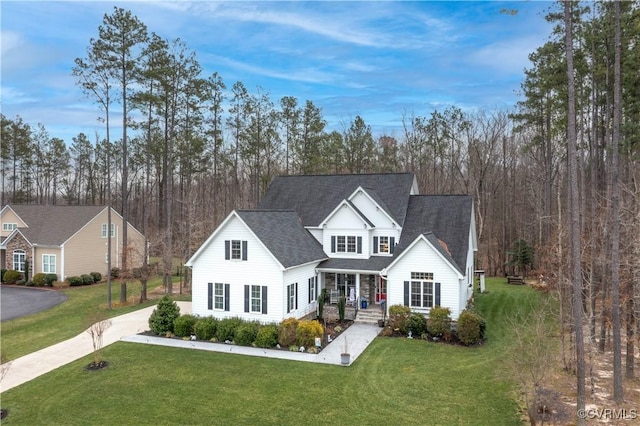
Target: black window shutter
(333, 244)
(309, 290)
(359, 244)
(437, 298)
(226, 297)
(392, 244)
(406, 293)
(264, 299)
(288, 299)
(296, 307)
(227, 249)
(246, 298)
(210, 296)
(244, 250)
(375, 244)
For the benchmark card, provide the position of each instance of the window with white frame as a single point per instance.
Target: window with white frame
(19, 258)
(9, 226)
(236, 249)
(104, 230)
(313, 289)
(346, 244)
(383, 244)
(256, 298)
(421, 290)
(49, 263)
(218, 297)
(292, 297)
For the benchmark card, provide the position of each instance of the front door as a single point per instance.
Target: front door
(381, 289)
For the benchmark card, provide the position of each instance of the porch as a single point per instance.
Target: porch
(369, 315)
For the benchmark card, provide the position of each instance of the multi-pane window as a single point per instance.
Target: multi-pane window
(49, 263)
(256, 298)
(9, 226)
(312, 289)
(236, 249)
(19, 258)
(351, 244)
(421, 290)
(292, 297)
(104, 230)
(218, 296)
(341, 246)
(383, 244)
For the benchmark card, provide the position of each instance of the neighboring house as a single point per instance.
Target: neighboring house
(363, 237)
(64, 240)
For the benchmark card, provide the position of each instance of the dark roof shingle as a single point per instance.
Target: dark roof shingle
(313, 197)
(284, 236)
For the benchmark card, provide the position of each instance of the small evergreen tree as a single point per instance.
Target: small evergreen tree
(163, 317)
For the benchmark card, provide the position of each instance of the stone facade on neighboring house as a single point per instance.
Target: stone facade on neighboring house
(18, 243)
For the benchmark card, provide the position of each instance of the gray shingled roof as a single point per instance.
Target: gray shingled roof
(374, 263)
(284, 236)
(53, 224)
(314, 197)
(448, 217)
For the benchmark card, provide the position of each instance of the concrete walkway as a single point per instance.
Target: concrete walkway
(127, 328)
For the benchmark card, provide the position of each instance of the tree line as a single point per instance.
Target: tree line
(558, 171)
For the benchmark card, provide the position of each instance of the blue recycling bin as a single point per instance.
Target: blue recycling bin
(363, 303)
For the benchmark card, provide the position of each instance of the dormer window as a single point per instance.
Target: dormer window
(9, 226)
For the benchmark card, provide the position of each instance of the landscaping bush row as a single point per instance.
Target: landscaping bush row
(469, 330)
(85, 279)
(16, 277)
(166, 320)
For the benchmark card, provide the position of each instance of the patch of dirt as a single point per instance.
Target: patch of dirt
(95, 366)
(3, 414)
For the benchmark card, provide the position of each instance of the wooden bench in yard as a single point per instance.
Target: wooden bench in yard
(514, 279)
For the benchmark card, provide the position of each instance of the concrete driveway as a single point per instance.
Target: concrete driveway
(16, 302)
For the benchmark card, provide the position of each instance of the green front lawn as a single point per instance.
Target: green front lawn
(397, 381)
(34, 332)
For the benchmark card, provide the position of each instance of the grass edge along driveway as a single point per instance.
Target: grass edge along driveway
(400, 380)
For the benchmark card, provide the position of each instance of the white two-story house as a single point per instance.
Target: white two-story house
(369, 238)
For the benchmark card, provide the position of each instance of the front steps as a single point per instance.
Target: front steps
(369, 316)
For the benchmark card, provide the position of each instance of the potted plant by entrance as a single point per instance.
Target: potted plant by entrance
(345, 356)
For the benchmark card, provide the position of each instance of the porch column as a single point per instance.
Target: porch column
(357, 289)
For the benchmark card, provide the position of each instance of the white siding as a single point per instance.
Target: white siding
(260, 268)
(300, 275)
(423, 258)
(317, 233)
(371, 210)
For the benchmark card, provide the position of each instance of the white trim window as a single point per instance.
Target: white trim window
(421, 290)
(19, 259)
(104, 230)
(346, 244)
(219, 297)
(9, 226)
(49, 263)
(292, 297)
(256, 299)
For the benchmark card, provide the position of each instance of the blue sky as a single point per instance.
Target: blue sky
(379, 60)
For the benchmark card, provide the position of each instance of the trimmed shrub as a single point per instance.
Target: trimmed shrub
(74, 281)
(267, 336)
(50, 279)
(163, 317)
(97, 276)
(11, 276)
(115, 272)
(205, 328)
(184, 324)
(28, 283)
(227, 328)
(246, 333)
(307, 332)
(398, 316)
(86, 279)
(2, 271)
(439, 321)
(40, 279)
(471, 327)
(417, 324)
(287, 332)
